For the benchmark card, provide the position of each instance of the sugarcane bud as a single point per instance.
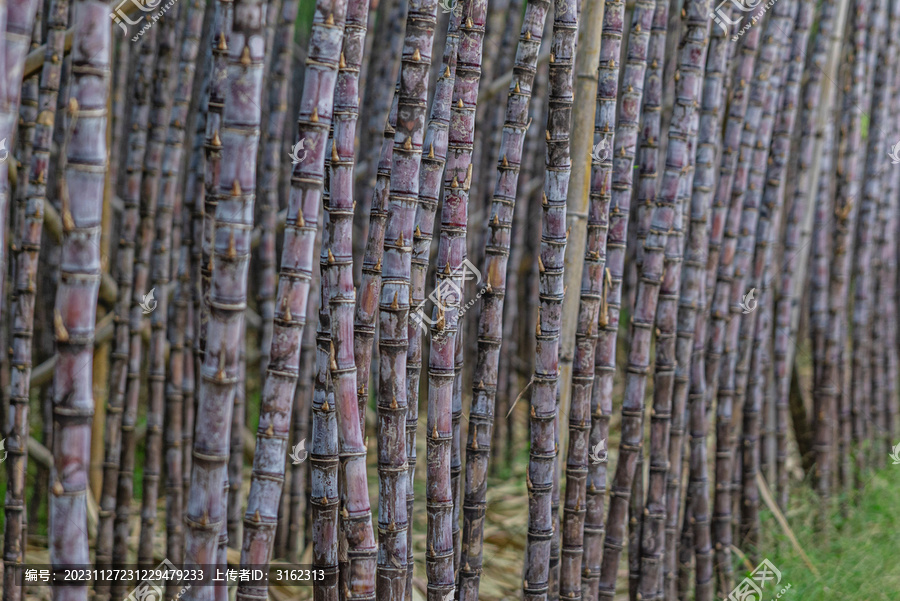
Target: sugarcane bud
(286, 309)
(330, 20)
(454, 183)
(245, 56)
(68, 222)
(468, 183)
(630, 87)
(300, 221)
(314, 118)
(416, 55)
(677, 75)
(270, 430)
(431, 151)
(394, 304)
(518, 90)
(326, 407)
(637, 28)
(333, 364)
(417, 233)
(459, 103)
(469, 23)
(552, 58)
(345, 514)
(544, 202)
(62, 334)
(342, 64)
(330, 257)
(540, 265)
(220, 374)
(447, 71)
(654, 64)
(73, 105)
(547, 134)
(407, 144)
(527, 35)
(394, 404)
(231, 252)
(505, 163)
(378, 265)
(334, 154)
(222, 46)
(58, 488)
(537, 332)
(256, 516)
(434, 432)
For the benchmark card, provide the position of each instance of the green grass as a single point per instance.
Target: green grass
(856, 556)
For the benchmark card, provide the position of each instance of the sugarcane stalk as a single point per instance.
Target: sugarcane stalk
(490, 325)
(83, 183)
(775, 180)
(542, 463)
(234, 193)
(431, 175)
(26, 250)
(765, 197)
(394, 297)
(691, 66)
(337, 272)
(277, 82)
(155, 244)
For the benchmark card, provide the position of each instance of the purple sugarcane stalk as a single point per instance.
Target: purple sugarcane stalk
(861, 375)
(784, 127)
(30, 218)
(542, 464)
(764, 196)
(605, 358)
(370, 285)
(75, 309)
(727, 214)
(394, 297)
(156, 241)
(235, 196)
(844, 227)
(675, 351)
(172, 197)
(490, 325)
(688, 76)
(118, 477)
(449, 279)
(431, 175)
(314, 121)
(337, 274)
(601, 296)
(272, 161)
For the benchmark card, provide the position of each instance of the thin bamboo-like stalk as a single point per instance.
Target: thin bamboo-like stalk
(730, 212)
(496, 251)
(775, 182)
(370, 285)
(26, 249)
(234, 505)
(843, 232)
(863, 402)
(449, 279)
(290, 317)
(431, 175)
(156, 240)
(75, 308)
(180, 383)
(337, 273)
(601, 296)
(271, 166)
(235, 195)
(123, 356)
(542, 464)
(691, 66)
(753, 258)
(394, 297)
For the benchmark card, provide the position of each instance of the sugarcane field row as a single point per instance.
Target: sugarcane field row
(448, 300)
